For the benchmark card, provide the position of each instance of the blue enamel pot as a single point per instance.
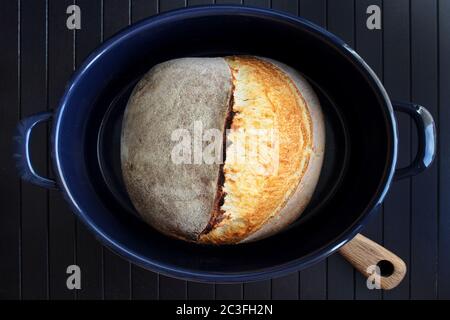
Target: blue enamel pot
(360, 160)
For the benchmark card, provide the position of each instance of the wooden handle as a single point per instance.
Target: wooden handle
(363, 254)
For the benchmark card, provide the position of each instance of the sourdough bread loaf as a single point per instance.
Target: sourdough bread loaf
(272, 138)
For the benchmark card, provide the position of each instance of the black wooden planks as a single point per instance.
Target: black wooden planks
(141, 9)
(200, 291)
(62, 222)
(144, 284)
(10, 219)
(424, 244)
(444, 150)
(171, 5)
(286, 287)
(257, 290)
(288, 6)
(40, 236)
(397, 80)
(33, 64)
(228, 2)
(227, 291)
(172, 288)
(191, 3)
(257, 3)
(315, 11)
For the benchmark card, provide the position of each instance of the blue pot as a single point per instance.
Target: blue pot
(360, 156)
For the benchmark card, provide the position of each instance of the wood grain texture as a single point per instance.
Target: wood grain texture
(363, 253)
(397, 76)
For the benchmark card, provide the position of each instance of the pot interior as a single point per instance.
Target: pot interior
(358, 157)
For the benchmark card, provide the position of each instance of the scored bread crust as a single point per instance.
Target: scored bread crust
(181, 200)
(282, 197)
(300, 198)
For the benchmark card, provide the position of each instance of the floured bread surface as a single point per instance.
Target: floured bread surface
(257, 191)
(174, 198)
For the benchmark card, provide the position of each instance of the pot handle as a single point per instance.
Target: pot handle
(426, 132)
(22, 156)
(383, 269)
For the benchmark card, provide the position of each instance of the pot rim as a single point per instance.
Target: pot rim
(254, 275)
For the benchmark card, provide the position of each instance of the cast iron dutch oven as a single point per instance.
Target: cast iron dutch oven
(360, 156)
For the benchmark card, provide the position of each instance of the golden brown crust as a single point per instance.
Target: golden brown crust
(253, 199)
(300, 198)
(259, 199)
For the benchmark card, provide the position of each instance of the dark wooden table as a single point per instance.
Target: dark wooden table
(40, 237)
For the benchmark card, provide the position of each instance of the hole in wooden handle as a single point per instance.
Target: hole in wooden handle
(386, 268)
(364, 255)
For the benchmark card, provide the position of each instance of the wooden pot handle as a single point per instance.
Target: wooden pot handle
(363, 254)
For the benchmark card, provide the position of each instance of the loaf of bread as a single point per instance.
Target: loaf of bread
(268, 125)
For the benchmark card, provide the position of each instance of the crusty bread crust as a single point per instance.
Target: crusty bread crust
(180, 200)
(302, 195)
(257, 206)
(174, 198)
